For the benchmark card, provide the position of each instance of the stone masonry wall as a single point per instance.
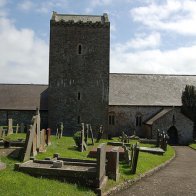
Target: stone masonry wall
(78, 83)
(125, 118)
(22, 117)
(183, 125)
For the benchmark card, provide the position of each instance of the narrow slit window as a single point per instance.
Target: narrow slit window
(78, 95)
(79, 49)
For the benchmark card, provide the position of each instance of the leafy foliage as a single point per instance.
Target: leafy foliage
(189, 104)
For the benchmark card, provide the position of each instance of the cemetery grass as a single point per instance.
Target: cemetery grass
(16, 183)
(193, 146)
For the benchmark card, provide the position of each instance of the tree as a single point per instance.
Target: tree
(189, 104)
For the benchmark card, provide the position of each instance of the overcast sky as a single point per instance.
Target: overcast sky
(147, 36)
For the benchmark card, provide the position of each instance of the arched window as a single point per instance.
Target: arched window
(111, 118)
(79, 49)
(138, 120)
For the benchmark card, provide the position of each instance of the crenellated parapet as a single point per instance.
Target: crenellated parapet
(80, 20)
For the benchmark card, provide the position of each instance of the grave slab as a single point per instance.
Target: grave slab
(158, 151)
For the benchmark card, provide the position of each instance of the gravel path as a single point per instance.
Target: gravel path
(177, 179)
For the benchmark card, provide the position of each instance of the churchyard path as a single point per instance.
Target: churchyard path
(178, 178)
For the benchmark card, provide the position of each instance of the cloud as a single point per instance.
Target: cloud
(95, 3)
(140, 42)
(26, 5)
(178, 61)
(24, 56)
(42, 6)
(178, 16)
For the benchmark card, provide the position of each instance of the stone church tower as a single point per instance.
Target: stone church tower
(78, 71)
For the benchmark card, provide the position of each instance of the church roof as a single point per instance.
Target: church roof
(23, 96)
(148, 89)
(79, 18)
(125, 89)
(158, 116)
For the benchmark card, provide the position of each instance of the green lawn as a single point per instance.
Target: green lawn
(16, 183)
(193, 145)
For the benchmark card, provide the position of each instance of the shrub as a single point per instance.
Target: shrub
(77, 138)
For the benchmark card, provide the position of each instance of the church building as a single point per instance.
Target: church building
(81, 89)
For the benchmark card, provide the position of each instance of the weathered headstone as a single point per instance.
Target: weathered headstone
(28, 143)
(1, 132)
(43, 140)
(86, 133)
(158, 138)
(22, 127)
(101, 160)
(83, 143)
(135, 158)
(91, 134)
(38, 128)
(34, 146)
(59, 131)
(10, 126)
(100, 133)
(17, 128)
(48, 133)
(113, 164)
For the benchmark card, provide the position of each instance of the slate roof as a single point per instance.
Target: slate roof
(148, 89)
(158, 116)
(80, 18)
(23, 96)
(125, 89)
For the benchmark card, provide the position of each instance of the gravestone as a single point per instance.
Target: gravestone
(29, 142)
(86, 133)
(59, 131)
(91, 134)
(135, 149)
(100, 133)
(10, 126)
(17, 128)
(34, 146)
(101, 160)
(38, 128)
(113, 164)
(42, 140)
(83, 146)
(1, 132)
(48, 134)
(22, 127)
(127, 155)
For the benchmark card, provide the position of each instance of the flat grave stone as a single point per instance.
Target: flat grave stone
(148, 141)
(158, 151)
(93, 152)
